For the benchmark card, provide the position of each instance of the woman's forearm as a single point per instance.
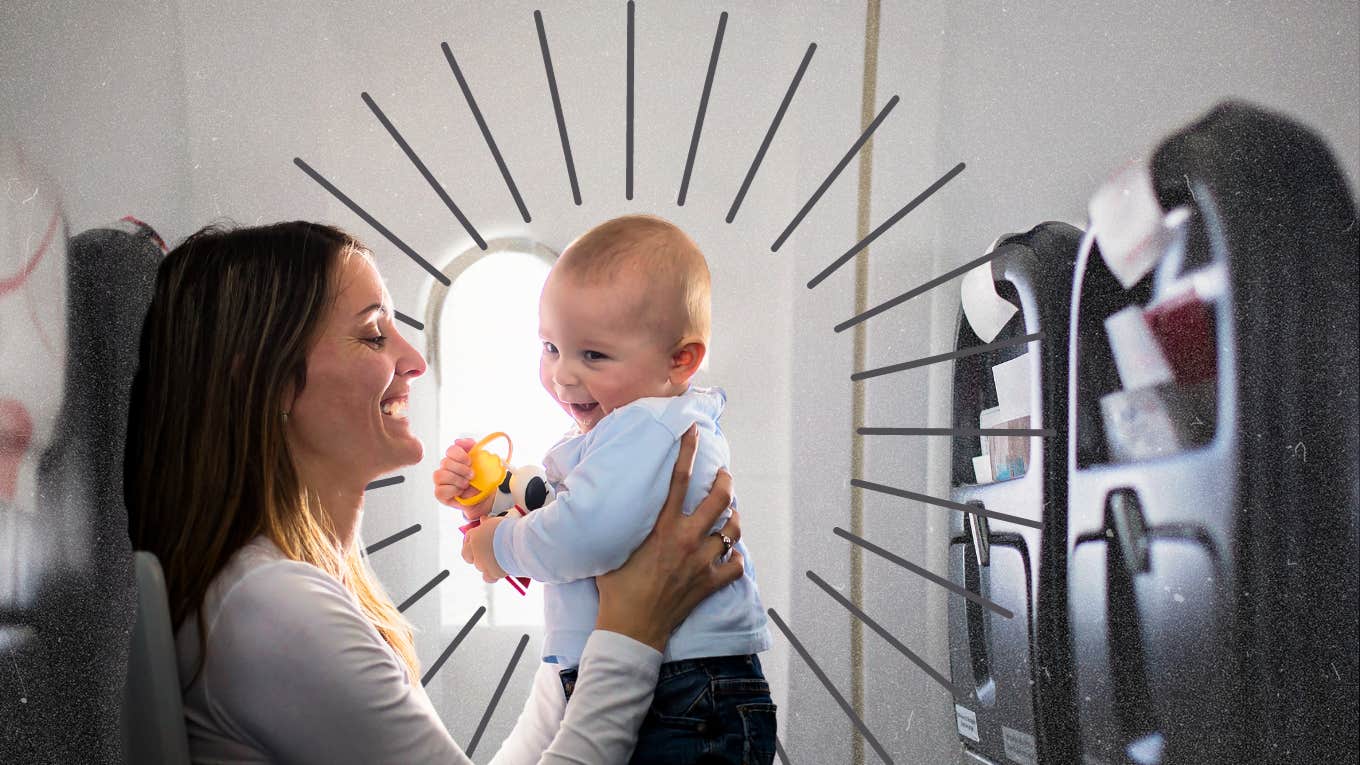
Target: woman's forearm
(613, 691)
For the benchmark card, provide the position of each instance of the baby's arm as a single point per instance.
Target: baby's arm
(604, 510)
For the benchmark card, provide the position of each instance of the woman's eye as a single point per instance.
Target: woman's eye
(376, 342)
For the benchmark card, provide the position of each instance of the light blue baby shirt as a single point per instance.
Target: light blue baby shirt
(610, 485)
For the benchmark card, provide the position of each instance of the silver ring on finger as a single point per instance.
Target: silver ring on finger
(727, 543)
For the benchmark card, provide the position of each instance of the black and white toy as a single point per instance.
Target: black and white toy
(524, 489)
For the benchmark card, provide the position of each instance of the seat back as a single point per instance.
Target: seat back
(1015, 700)
(153, 711)
(1213, 523)
(70, 311)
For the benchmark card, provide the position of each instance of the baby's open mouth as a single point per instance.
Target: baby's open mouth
(582, 409)
(394, 407)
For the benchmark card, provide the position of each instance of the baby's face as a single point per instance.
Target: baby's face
(598, 353)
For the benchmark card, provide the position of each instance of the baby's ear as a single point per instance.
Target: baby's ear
(685, 361)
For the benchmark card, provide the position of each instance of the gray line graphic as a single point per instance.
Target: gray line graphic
(959, 693)
(937, 281)
(835, 694)
(370, 220)
(769, 134)
(486, 132)
(424, 171)
(397, 537)
(903, 493)
(443, 657)
(887, 224)
(403, 318)
(956, 432)
(557, 106)
(779, 750)
(495, 698)
(836, 171)
(703, 108)
(430, 585)
(953, 587)
(973, 351)
(381, 482)
(628, 142)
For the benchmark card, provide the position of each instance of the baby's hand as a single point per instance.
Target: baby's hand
(478, 549)
(452, 477)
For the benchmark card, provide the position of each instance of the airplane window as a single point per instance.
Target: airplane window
(488, 377)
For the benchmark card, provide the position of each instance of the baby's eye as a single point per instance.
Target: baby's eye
(549, 347)
(595, 356)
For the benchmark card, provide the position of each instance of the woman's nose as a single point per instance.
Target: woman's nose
(409, 362)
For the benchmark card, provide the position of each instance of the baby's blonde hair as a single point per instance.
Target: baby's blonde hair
(670, 263)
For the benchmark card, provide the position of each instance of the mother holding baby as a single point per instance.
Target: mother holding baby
(270, 390)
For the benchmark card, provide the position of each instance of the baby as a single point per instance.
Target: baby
(624, 319)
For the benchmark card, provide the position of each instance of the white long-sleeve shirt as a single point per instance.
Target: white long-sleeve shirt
(611, 483)
(295, 673)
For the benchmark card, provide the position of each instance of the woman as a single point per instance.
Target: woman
(271, 389)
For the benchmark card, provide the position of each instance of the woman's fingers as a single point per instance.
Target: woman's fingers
(713, 578)
(732, 526)
(718, 500)
(729, 571)
(684, 465)
(731, 529)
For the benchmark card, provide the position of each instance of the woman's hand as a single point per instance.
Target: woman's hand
(677, 566)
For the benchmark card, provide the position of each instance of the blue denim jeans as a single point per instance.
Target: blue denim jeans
(710, 711)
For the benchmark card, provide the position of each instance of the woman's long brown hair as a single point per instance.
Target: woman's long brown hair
(207, 466)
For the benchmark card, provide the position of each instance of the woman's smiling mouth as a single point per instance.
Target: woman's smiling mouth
(395, 407)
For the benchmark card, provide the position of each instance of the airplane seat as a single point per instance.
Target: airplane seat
(153, 712)
(71, 311)
(1213, 505)
(113, 271)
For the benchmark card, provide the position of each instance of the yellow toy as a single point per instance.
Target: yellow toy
(488, 468)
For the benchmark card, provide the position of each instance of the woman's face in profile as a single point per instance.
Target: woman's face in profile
(349, 422)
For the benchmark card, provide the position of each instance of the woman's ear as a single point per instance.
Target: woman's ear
(286, 397)
(686, 359)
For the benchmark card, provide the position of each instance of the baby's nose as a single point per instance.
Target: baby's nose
(563, 377)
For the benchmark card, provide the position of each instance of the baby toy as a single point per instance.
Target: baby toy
(519, 490)
(488, 469)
